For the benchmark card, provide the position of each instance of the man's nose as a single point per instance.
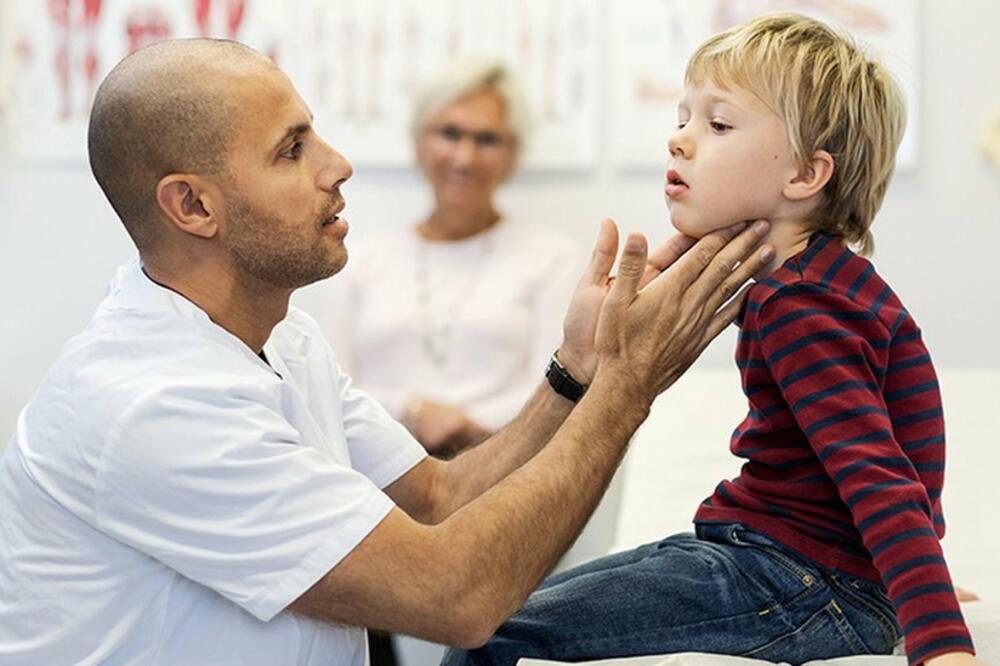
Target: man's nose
(334, 172)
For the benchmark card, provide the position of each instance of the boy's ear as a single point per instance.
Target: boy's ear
(811, 178)
(188, 203)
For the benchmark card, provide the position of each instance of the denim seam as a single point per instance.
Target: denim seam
(723, 551)
(645, 630)
(846, 630)
(879, 613)
(844, 589)
(807, 592)
(850, 637)
(782, 559)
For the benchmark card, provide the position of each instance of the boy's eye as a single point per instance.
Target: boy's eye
(681, 124)
(719, 127)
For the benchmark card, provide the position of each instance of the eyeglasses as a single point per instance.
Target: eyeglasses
(486, 140)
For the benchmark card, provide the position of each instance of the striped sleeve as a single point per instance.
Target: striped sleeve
(843, 413)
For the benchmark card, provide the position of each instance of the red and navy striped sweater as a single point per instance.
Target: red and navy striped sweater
(844, 440)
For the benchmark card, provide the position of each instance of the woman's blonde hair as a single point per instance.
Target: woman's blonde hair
(468, 75)
(830, 96)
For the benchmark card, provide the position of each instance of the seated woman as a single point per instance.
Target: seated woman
(449, 321)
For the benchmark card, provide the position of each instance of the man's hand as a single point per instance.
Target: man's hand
(577, 353)
(650, 338)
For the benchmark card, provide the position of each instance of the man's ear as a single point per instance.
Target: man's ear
(188, 204)
(811, 178)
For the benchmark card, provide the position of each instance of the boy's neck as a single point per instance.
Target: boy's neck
(789, 236)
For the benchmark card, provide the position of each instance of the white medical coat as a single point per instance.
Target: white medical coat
(167, 494)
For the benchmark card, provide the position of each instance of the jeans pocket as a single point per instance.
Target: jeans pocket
(870, 610)
(748, 539)
(825, 635)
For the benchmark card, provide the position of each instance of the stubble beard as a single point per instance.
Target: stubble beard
(278, 254)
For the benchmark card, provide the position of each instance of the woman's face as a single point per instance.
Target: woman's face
(467, 150)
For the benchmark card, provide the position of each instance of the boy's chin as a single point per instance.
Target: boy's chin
(688, 228)
(697, 228)
(679, 225)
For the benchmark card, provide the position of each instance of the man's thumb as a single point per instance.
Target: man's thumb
(630, 268)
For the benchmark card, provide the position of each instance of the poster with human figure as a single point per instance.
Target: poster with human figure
(60, 50)
(653, 39)
(358, 63)
(362, 62)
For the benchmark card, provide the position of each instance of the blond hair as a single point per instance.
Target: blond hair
(830, 96)
(468, 75)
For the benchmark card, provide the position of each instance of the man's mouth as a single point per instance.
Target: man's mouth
(334, 215)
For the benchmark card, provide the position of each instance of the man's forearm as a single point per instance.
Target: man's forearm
(454, 581)
(478, 469)
(517, 530)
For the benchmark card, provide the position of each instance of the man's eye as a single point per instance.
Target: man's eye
(719, 127)
(295, 151)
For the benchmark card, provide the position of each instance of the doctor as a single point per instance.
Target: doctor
(195, 481)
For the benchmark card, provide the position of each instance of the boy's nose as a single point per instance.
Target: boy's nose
(679, 145)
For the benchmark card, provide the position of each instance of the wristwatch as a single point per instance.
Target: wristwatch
(562, 382)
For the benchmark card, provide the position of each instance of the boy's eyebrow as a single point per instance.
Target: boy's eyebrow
(719, 99)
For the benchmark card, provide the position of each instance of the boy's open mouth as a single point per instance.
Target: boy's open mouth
(675, 185)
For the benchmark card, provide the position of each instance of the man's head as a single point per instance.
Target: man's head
(842, 115)
(204, 148)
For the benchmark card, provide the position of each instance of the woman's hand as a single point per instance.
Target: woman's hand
(442, 429)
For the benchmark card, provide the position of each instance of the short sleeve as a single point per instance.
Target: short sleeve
(212, 481)
(381, 448)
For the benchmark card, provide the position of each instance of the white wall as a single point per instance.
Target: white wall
(938, 234)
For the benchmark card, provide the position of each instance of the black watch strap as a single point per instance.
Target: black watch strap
(562, 382)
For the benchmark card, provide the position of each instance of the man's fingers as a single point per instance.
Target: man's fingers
(669, 251)
(724, 317)
(630, 269)
(729, 233)
(739, 276)
(738, 255)
(685, 271)
(663, 255)
(602, 259)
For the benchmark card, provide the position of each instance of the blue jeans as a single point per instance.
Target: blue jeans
(727, 590)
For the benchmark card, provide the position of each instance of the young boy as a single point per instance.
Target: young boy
(827, 543)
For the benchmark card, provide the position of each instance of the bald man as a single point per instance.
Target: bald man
(195, 481)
